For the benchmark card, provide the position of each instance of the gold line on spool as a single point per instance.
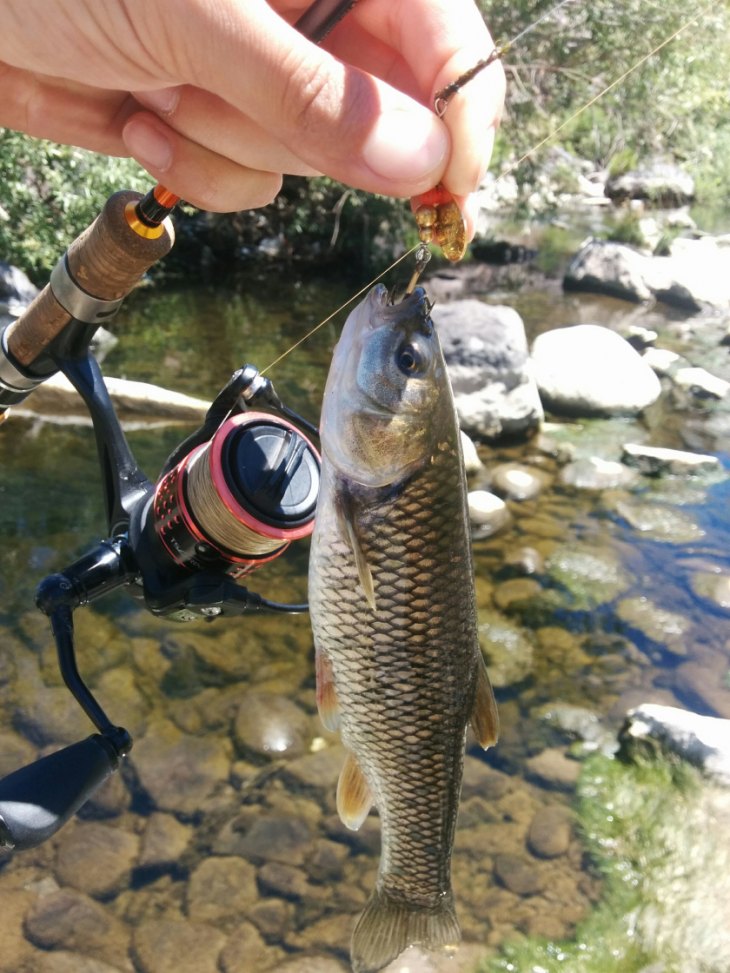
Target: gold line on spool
(216, 520)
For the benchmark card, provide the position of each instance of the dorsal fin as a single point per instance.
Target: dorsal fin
(354, 798)
(484, 717)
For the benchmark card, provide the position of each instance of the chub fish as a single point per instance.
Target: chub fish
(391, 593)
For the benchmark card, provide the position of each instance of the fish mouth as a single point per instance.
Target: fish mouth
(412, 312)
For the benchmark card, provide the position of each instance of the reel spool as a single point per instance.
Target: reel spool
(238, 500)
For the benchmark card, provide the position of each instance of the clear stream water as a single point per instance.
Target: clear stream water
(232, 858)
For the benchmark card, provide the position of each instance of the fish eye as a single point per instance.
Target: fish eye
(409, 359)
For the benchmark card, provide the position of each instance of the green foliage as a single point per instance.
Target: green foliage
(49, 193)
(676, 103)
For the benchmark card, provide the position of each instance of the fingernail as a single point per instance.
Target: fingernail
(161, 100)
(406, 145)
(148, 144)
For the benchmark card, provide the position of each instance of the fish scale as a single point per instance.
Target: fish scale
(394, 618)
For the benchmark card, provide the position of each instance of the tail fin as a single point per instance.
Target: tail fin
(389, 925)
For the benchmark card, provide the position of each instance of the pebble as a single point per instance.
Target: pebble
(518, 875)
(487, 511)
(180, 771)
(69, 920)
(514, 591)
(271, 726)
(221, 888)
(65, 962)
(277, 838)
(14, 947)
(516, 482)
(311, 964)
(177, 946)
(553, 769)
(472, 463)
(656, 460)
(96, 858)
(164, 841)
(247, 952)
(661, 360)
(550, 831)
(272, 917)
(524, 561)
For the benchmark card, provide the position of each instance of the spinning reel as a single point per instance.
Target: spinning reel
(230, 498)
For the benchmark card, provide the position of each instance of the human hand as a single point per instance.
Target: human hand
(219, 98)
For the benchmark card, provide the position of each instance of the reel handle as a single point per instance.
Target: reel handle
(97, 271)
(37, 800)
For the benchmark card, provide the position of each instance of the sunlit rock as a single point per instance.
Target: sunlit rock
(658, 183)
(702, 740)
(654, 460)
(517, 482)
(487, 512)
(589, 370)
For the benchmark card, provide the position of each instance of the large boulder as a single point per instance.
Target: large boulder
(588, 370)
(486, 353)
(693, 275)
(660, 183)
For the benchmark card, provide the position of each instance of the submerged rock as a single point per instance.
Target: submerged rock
(517, 482)
(487, 357)
(487, 512)
(588, 370)
(594, 473)
(550, 831)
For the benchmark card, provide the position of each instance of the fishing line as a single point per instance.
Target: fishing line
(604, 91)
(342, 307)
(496, 53)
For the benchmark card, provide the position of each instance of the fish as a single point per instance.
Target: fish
(398, 666)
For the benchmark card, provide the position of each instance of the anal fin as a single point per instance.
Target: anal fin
(354, 798)
(484, 717)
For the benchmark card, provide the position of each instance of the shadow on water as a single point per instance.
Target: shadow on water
(220, 842)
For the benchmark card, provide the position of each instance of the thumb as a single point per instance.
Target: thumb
(338, 119)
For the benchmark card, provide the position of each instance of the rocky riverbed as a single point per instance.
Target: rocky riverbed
(604, 584)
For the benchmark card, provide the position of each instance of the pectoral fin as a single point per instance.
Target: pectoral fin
(327, 702)
(346, 523)
(354, 799)
(484, 717)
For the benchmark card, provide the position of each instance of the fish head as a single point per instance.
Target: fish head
(385, 390)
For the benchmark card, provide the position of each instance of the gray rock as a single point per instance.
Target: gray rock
(701, 740)
(96, 858)
(589, 370)
(272, 726)
(16, 290)
(550, 831)
(177, 946)
(655, 460)
(661, 360)
(660, 183)
(695, 274)
(487, 357)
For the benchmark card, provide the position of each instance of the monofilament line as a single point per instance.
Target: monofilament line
(342, 307)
